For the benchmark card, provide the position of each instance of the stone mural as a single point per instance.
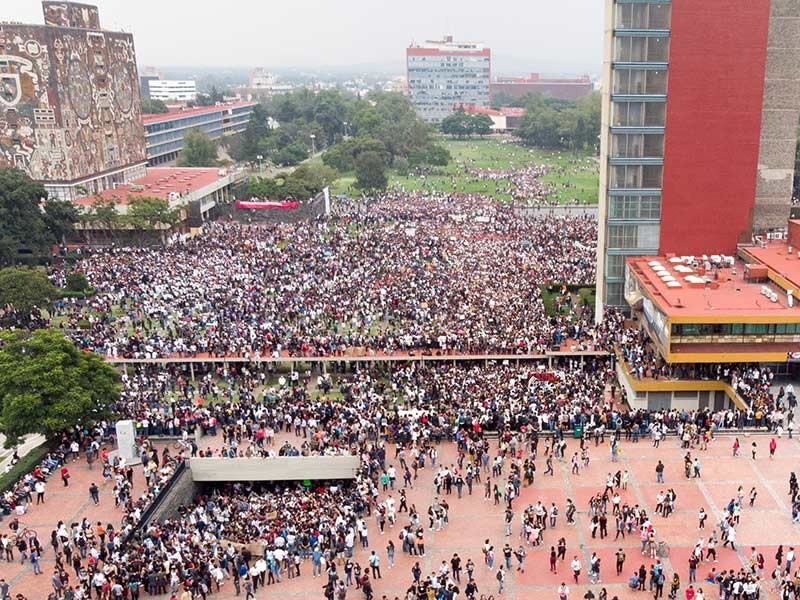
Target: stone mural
(69, 98)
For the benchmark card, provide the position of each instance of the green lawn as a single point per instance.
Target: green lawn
(572, 176)
(24, 466)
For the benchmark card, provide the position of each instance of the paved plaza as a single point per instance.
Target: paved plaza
(473, 519)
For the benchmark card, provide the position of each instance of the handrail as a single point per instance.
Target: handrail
(148, 512)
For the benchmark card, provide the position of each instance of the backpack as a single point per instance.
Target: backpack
(499, 575)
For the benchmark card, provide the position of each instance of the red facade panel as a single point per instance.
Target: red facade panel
(717, 58)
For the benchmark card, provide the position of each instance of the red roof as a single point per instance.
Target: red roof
(179, 113)
(728, 294)
(503, 111)
(158, 183)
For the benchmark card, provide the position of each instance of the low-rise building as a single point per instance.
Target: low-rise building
(718, 309)
(172, 90)
(164, 133)
(562, 88)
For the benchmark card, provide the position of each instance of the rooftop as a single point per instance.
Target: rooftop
(181, 113)
(776, 256)
(685, 287)
(161, 183)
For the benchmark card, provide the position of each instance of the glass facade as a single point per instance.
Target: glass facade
(436, 82)
(638, 95)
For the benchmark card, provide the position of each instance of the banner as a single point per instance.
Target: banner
(255, 204)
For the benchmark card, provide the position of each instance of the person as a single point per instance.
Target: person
(501, 577)
(94, 493)
(620, 556)
(563, 591)
(736, 447)
(701, 518)
(660, 472)
(471, 589)
(575, 565)
(65, 475)
(753, 449)
(375, 565)
(675, 586)
(690, 595)
(633, 582)
(520, 555)
(773, 445)
(390, 554)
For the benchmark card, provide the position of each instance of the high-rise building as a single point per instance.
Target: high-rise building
(69, 102)
(699, 123)
(175, 90)
(442, 74)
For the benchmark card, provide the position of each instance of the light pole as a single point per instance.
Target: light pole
(313, 145)
(260, 158)
(345, 129)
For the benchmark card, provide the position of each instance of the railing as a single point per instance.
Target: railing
(150, 510)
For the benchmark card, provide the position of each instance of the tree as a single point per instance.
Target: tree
(105, 216)
(77, 282)
(482, 124)
(257, 129)
(198, 150)
(153, 107)
(291, 154)
(314, 177)
(24, 290)
(370, 171)
(29, 224)
(49, 386)
(148, 213)
(457, 124)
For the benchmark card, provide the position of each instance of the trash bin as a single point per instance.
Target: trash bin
(577, 433)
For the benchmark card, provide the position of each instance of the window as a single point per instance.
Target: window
(635, 176)
(634, 207)
(639, 81)
(642, 16)
(641, 49)
(614, 294)
(615, 265)
(625, 237)
(637, 145)
(638, 114)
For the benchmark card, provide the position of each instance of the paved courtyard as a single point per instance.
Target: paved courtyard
(472, 520)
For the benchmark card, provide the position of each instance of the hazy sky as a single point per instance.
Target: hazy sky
(306, 33)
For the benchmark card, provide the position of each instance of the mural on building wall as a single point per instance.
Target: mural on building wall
(69, 102)
(71, 14)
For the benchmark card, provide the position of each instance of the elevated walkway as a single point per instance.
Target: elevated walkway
(689, 394)
(282, 468)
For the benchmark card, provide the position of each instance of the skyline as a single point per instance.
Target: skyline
(563, 38)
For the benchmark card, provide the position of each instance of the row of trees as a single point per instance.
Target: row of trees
(30, 223)
(302, 183)
(47, 385)
(383, 126)
(461, 125)
(552, 123)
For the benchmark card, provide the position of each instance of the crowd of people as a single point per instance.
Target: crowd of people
(402, 275)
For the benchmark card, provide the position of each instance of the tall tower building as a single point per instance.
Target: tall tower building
(700, 111)
(444, 73)
(69, 102)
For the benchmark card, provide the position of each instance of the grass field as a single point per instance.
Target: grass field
(572, 176)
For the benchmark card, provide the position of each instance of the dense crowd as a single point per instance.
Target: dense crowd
(430, 274)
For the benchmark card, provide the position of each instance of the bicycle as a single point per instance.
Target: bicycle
(182, 445)
(662, 550)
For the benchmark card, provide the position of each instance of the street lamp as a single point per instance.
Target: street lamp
(313, 145)
(259, 158)
(345, 129)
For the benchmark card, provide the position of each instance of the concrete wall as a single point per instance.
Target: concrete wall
(779, 118)
(285, 468)
(182, 492)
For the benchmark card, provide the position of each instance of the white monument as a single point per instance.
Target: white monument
(126, 441)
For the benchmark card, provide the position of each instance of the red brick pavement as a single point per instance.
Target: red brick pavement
(472, 520)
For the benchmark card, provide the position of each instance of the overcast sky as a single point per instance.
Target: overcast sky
(308, 33)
